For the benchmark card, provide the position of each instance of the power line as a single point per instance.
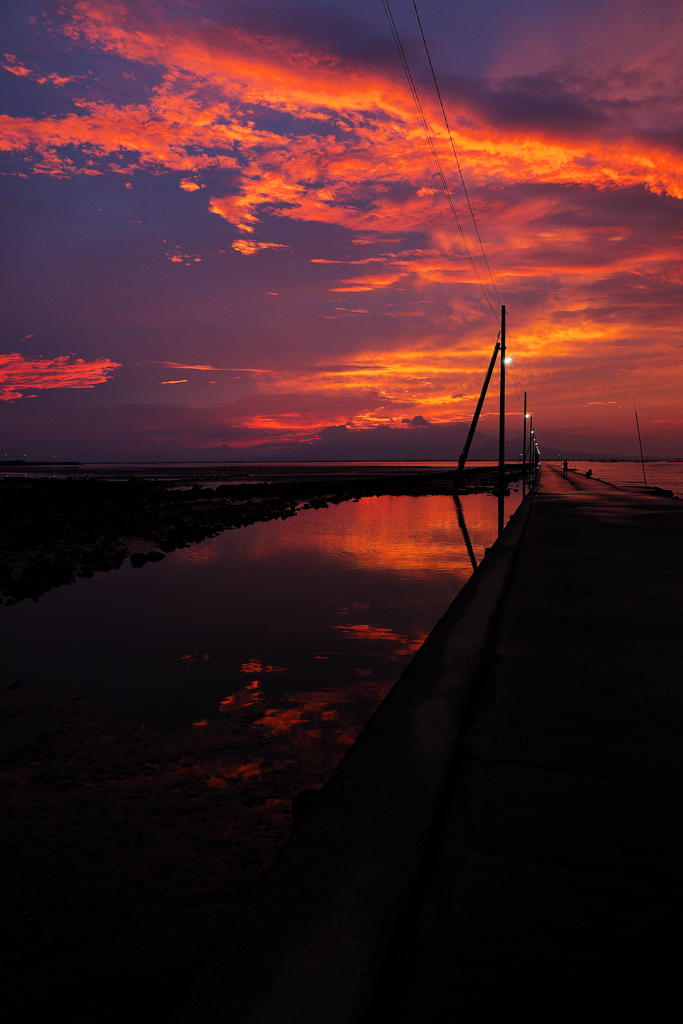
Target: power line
(413, 89)
(519, 387)
(457, 161)
(430, 140)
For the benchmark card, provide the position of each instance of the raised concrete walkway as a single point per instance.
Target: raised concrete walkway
(504, 839)
(553, 890)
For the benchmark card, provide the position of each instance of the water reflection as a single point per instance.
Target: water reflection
(463, 530)
(242, 699)
(332, 601)
(176, 710)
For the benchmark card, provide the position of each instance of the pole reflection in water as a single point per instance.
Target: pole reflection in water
(463, 529)
(187, 704)
(501, 512)
(298, 626)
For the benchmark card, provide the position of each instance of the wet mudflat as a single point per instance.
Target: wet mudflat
(55, 530)
(158, 722)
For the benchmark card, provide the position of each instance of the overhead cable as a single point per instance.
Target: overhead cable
(430, 140)
(457, 161)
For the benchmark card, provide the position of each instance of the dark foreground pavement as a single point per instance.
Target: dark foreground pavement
(504, 840)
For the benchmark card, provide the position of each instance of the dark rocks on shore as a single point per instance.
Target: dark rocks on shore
(139, 558)
(55, 530)
(301, 803)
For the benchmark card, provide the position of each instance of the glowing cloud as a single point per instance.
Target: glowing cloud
(249, 248)
(19, 373)
(575, 172)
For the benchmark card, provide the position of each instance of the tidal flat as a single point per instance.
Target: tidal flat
(55, 530)
(128, 844)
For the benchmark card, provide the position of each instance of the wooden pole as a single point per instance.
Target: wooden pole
(524, 449)
(501, 427)
(475, 419)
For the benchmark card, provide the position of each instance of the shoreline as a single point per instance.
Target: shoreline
(127, 848)
(53, 530)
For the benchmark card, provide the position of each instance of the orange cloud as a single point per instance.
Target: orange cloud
(212, 369)
(15, 67)
(19, 373)
(560, 164)
(321, 176)
(176, 255)
(249, 248)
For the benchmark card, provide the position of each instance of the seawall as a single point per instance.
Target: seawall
(321, 927)
(504, 838)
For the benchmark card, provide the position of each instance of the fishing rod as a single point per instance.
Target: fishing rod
(642, 460)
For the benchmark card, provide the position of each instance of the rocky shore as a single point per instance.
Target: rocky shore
(126, 850)
(54, 530)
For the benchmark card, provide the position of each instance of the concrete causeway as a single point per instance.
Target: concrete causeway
(504, 839)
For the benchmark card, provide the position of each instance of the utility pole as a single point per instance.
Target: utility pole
(501, 429)
(524, 449)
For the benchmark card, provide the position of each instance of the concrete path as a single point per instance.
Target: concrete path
(553, 887)
(504, 839)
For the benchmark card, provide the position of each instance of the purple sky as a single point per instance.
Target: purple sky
(225, 236)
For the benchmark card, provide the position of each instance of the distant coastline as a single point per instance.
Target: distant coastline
(45, 462)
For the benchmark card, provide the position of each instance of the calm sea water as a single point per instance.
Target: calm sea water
(311, 618)
(630, 474)
(305, 621)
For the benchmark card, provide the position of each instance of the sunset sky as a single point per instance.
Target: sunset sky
(225, 236)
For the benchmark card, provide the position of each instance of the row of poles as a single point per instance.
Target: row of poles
(531, 454)
(532, 450)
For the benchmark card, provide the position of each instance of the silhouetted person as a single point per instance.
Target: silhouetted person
(565, 467)
(589, 473)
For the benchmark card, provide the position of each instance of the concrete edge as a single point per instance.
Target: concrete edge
(651, 491)
(320, 926)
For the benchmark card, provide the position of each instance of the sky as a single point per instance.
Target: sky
(226, 237)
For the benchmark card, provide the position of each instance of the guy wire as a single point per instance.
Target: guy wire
(457, 161)
(430, 140)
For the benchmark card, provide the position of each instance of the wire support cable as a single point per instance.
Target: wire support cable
(425, 126)
(455, 154)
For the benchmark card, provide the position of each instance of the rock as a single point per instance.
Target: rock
(301, 803)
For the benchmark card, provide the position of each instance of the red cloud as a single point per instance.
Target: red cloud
(592, 280)
(249, 248)
(19, 373)
(573, 133)
(15, 67)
